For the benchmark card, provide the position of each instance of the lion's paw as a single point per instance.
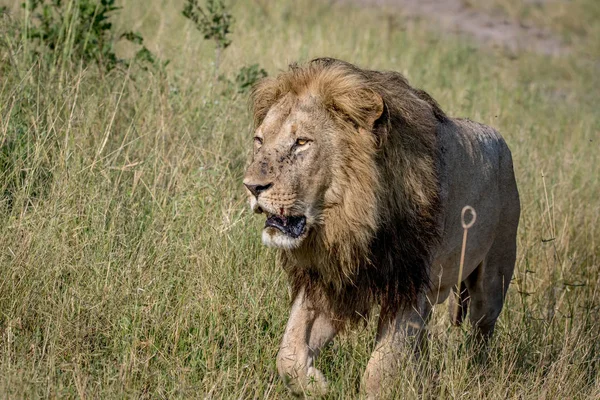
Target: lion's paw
(316, 382)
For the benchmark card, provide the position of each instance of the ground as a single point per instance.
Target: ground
(489, 28)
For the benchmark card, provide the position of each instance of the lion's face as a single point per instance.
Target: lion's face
(290, 170)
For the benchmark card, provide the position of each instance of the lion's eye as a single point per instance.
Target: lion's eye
(258, 141)
(301, 142)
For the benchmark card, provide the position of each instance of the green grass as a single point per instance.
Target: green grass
(131, 267)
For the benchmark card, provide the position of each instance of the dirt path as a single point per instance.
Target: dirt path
(454, 16)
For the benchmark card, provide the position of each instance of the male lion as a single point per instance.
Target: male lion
(363, 179)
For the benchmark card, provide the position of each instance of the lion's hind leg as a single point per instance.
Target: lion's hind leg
(487, 285)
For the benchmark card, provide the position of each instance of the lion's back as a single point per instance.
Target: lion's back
(475, 161)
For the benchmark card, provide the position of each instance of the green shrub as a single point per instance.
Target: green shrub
(248, 76)
(245, 78)
(214, 23)
(80, 31)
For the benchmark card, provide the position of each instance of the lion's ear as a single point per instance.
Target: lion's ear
(374, 109)
(376, 118)
(362, 106)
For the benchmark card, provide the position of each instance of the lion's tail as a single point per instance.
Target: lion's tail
(458, 304)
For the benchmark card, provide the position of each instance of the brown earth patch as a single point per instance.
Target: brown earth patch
(457, 17)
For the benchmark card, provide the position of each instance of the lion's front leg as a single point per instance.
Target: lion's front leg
(307, 331)
(399, 337)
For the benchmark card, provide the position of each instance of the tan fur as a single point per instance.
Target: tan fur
(377, 181)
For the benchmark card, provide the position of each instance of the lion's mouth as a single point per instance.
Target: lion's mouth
(292, 226)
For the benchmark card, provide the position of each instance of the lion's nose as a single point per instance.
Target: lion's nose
(257, 189)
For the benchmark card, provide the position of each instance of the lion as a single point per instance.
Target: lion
(362, 179)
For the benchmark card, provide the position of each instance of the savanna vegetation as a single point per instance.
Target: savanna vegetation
(130, 265)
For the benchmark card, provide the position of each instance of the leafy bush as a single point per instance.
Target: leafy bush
(248, 76)
(245, 78)
(80, 30)
(214, 23)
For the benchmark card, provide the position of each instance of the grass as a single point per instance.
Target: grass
(131, 267)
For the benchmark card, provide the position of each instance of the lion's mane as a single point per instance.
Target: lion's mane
(375, 245)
